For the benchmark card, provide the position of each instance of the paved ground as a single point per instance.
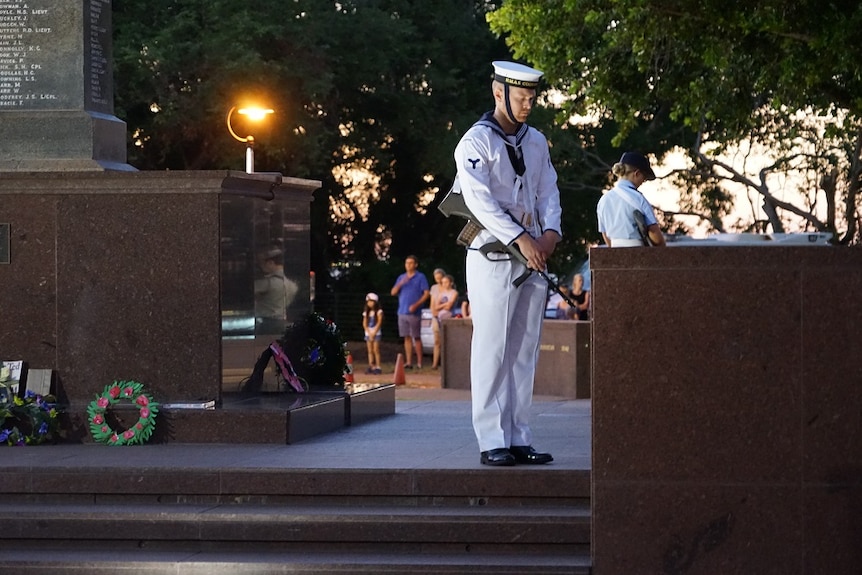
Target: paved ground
(425, 433)
(430, 429)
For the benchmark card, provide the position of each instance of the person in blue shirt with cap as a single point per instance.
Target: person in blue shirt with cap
(618, 208)
(509, 185)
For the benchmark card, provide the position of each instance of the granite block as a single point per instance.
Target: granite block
(723, 389)
(140, 294)
(356, 482)
(833, 527)
(508, 483)
(563, 367)
(832, 330)
(264, 425)
(696, 528)
(688, 373)
(29, 297)
(109, 259)
(100, 480)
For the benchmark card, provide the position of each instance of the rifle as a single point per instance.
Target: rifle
(453, 205)
(640, 221)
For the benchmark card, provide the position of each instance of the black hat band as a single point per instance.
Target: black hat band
(514, 82)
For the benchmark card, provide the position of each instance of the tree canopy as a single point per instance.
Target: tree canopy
(371, 98)
(722, 73)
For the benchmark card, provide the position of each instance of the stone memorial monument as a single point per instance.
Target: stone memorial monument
(56, 87)
(110, 273)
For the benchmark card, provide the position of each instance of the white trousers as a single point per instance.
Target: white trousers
(507, 326)
(626, 243)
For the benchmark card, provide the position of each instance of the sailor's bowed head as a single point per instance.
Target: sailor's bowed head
(514, 74)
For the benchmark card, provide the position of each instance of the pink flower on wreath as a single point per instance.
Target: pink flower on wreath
(104, 429)
(139, 427)
(128, 391)
(98, 419)
(115, 392)
(145, 413)
(129, 433)
(114, 438)
(103, 402)
(142, 400)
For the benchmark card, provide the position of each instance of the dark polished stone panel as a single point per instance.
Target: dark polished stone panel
(323, 417)
(726, 435)
(366, 402)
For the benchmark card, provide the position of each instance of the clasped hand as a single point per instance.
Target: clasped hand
(537, 250)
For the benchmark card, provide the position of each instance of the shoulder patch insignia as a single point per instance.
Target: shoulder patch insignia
(473, 162)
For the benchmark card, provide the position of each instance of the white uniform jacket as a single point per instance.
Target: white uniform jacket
(507, 320)
(505, 203)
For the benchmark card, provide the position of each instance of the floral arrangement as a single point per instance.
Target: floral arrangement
(316, 350)
(30, 420)
(140, 431)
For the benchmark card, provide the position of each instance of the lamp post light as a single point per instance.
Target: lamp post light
(255, 114)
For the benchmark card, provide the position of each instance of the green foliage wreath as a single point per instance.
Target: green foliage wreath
(140, 431)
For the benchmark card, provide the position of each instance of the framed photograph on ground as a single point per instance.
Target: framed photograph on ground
(39, 381)
(10, 377)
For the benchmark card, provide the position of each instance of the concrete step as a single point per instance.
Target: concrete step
(209, 479)
(218, 510)
(335, 525)
(136, 561)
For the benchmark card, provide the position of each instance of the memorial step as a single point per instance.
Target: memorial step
(361, 521)
(336, 525)
(118, 562)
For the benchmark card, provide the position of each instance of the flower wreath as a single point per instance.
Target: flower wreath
(139, 432)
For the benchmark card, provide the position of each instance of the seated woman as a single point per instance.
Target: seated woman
(582, 299)
(441, 308)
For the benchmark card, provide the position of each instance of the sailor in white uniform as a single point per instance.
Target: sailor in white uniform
(509, 185)
(617, 208)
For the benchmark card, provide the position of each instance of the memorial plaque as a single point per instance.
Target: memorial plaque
(56, 87)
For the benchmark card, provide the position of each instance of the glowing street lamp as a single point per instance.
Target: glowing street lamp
(256, 115)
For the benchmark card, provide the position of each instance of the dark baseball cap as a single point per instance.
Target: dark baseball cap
(639, 161)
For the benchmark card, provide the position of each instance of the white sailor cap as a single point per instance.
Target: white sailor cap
(515, 74)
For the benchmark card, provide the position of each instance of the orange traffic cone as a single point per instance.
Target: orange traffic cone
(348, 372)
(399, 370)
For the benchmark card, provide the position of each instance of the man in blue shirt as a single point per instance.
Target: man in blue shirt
(412, 291)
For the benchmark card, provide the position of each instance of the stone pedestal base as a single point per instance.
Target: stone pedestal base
(62, 141)
(726, 410)
(564, 357)
(276, 418)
